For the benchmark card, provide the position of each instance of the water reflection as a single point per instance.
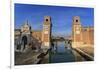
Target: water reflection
(61, 52)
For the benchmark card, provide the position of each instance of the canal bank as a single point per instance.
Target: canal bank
(86, 54)
(61, 52)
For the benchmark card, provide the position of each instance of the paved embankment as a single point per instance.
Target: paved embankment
(85, 53)
(29, 57)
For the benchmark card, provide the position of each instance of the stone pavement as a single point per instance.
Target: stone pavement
(29, 57)
(87, 52)
(78, 57)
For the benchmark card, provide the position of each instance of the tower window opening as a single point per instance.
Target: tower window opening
(76, 20)
(46, 19)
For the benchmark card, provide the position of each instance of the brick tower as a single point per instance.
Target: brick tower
(46, 33)
(76, 32)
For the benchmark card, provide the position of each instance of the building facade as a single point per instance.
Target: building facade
(25, 35)
(81, 36)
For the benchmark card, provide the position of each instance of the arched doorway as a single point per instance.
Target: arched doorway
(24, 41)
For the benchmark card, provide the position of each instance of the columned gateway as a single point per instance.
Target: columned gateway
(24, 41)
(46, 33)
(25, 35)
(24, 38)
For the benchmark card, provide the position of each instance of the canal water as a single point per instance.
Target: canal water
(61, 52)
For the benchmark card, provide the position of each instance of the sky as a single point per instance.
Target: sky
(61, 17)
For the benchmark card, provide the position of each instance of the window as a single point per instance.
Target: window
(46, 19)
(76, 20)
